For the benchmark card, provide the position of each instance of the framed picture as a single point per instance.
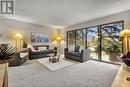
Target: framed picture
(39, 38)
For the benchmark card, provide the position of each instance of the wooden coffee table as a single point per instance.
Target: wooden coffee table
(54, 59)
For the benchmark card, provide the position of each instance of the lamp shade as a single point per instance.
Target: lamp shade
(125, 32)
(18, 36)
(58, 39)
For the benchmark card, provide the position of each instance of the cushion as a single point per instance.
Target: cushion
(81, 48)
(23, 55)
(31, 47)
(52, 50)
(51, 46)
(71, 48)
(123, 57)
(42, 48)
(36, 51)
(40, 52)
(76, 49)
(128, 55)
(78, 54)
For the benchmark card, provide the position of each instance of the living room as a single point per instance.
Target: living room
(60, 43)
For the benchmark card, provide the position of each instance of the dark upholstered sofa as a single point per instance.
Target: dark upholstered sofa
(16, 60)
(41, 53)
(82, 56)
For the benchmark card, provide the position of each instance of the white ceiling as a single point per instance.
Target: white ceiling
(63, 13)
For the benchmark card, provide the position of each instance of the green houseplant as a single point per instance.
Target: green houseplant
(24, 44)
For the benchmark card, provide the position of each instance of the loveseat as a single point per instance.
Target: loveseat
(37, 53)
(82, 56)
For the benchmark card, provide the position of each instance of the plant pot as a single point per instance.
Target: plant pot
(114, 57)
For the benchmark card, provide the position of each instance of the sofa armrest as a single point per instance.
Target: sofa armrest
(86, 54)
(29, 53)
(55, 48)
(66, 49)
(14, 59)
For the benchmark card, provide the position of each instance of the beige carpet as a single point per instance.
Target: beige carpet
(54, 66)
(87, 74)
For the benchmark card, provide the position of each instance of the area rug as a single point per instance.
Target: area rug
(54, 66)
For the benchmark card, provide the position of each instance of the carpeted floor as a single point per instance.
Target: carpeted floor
(87, 74)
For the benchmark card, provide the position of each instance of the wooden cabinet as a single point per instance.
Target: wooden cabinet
(4, 75)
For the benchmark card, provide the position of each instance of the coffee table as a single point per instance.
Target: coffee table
(53, 58)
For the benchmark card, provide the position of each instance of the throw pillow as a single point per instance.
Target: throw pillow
(42, 48)
(23, 55)
(76, 49)
(71, 48)
(31, 47)
(128, 55)
(51, 46)
(81, 48)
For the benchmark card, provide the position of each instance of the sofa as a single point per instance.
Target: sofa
(76, 55)
(16, 59)
(34, 52)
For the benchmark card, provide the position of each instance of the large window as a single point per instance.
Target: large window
(102, 40)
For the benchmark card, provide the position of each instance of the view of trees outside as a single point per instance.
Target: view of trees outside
(71, 40)
(92, 41)
(108, 45)
(111, 43)
(81, 38)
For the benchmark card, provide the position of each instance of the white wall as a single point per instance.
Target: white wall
(108, 19)
(9, 28)
(112, 18)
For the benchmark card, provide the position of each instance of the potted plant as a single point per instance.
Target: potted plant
(24, 44)
(24, 49)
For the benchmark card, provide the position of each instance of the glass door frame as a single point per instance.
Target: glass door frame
(100, 26)
(99, 38)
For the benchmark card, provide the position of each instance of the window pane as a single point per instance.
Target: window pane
(71, 40)
(80, 38)
(92, 41)
(111, 44)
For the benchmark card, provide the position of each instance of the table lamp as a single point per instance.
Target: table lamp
(58, 39)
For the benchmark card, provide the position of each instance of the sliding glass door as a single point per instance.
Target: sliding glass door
(81, 38)
(92, 41)
(111, 43)
(102, 40)
(71, 40)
